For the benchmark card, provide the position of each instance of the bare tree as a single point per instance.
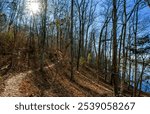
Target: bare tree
(114, 59)
(44, 18)
(124, 44)
(71, 38)
(135, 29)
(81, 8)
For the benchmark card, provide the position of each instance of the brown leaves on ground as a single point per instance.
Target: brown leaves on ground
(1, 84)
(12, 85)
(28, 89)
(52, 84)
(54, 81)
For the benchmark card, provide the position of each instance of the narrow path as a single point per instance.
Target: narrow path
(12, 86)
(27, 84)
(13, 83)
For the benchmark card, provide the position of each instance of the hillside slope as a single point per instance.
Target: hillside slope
(54, 81)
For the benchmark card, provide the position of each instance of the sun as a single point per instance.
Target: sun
(33, 7)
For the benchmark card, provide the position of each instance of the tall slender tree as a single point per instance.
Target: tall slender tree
(124, 44)
(135, 30)
(114, 59)
(71, 38)
(44, 18)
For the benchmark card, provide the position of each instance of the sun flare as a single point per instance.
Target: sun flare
(33, 7)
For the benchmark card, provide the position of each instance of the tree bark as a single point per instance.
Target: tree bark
(71, 36)
(114, 59)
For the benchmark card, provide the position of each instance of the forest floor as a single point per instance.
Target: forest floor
(54, 81)
(35, 83)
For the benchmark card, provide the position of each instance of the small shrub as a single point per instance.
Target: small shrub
(1, 78)
(89, 58)
(82, 61)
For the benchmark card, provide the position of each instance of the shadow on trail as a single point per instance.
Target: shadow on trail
(88, 91)
(44, 81)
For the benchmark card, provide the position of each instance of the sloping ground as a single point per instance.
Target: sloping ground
(52, 83)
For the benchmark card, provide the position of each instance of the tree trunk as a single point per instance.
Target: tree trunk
(124, 54)
(71, 36)
(79, 48)
(135, 48)
(105, 54)
(141, 78)
(44, 36)
(114, 59)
